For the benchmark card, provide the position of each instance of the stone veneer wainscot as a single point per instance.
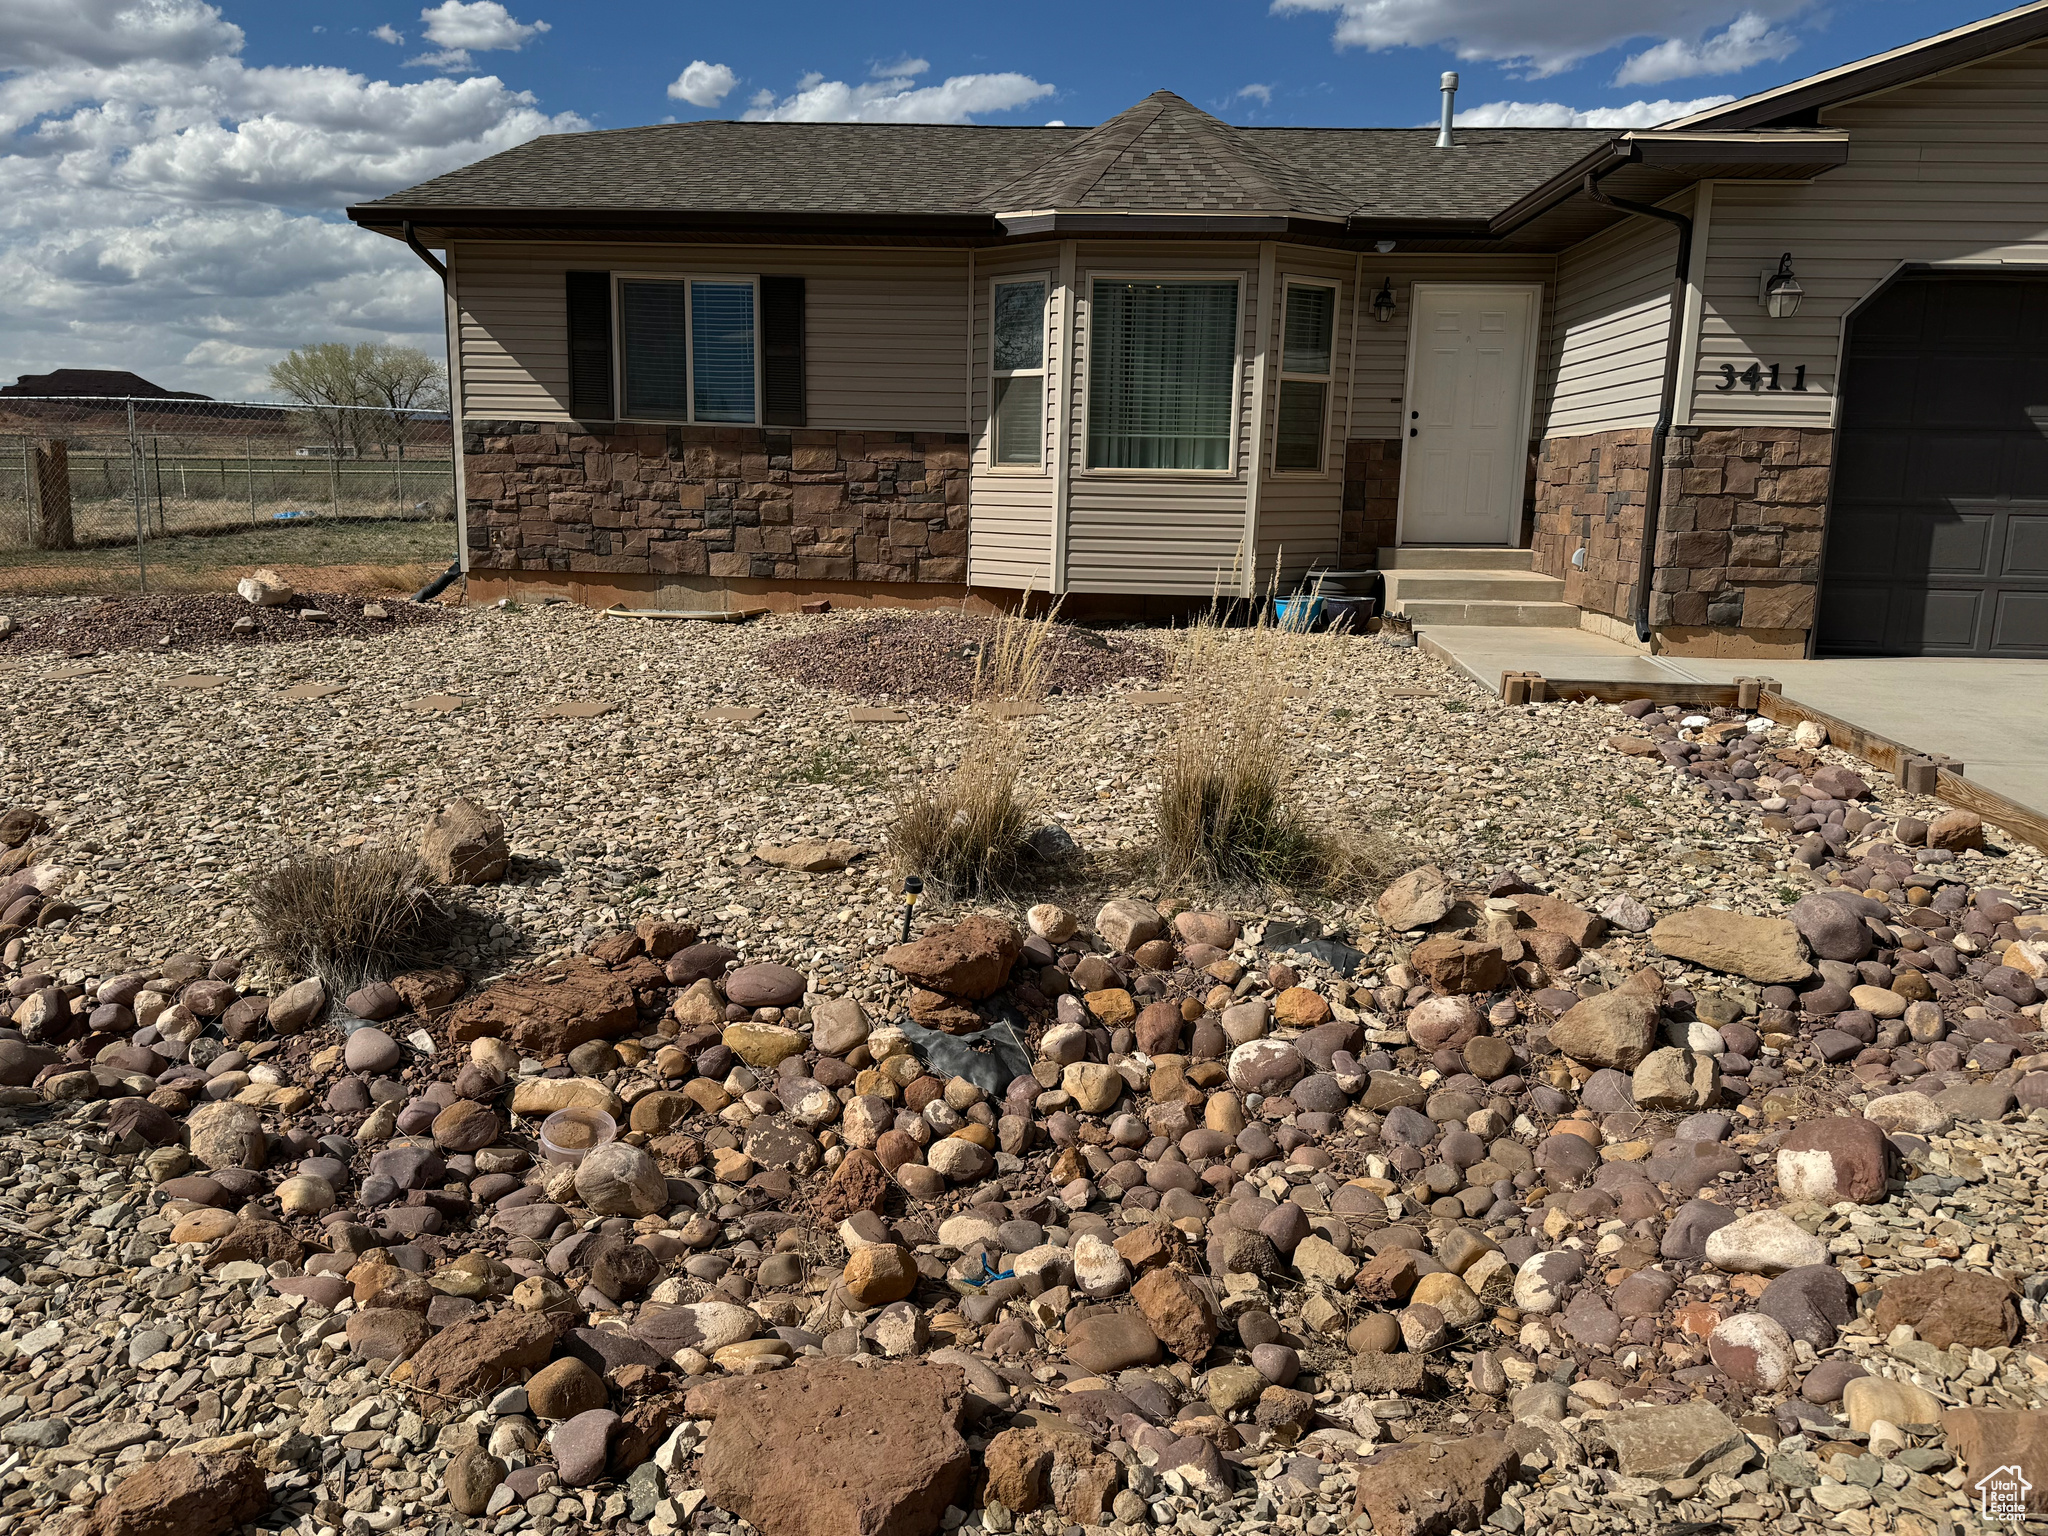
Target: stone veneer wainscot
(1738, 541)
(790, 504)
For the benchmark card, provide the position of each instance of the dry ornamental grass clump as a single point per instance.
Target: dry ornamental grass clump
(366, 913)
(966, 833)
(1228, 817)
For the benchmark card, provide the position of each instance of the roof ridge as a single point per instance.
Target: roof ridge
(1091, 156)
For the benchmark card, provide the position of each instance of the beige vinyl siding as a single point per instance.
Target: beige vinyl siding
(1949, 169)
(885, 330)
(1009, 541)
(1301, 515)
(1134, 532)
(1611, 322)
(1377, 405)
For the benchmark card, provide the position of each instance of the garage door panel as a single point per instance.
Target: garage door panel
(1942, 466)
(2019, 624)
(1937, 541)
(1856, 618)
(1871, 465)
(1959, 544)
(2026, 545)
(1943, 619)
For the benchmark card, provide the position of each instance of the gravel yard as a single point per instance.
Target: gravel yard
(1611, 1220)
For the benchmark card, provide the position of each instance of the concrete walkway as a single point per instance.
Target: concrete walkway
(1992, 715)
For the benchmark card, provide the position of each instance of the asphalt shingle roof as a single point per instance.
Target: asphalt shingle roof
(1162, 155)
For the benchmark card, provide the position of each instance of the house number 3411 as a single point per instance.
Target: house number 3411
(1757, 378)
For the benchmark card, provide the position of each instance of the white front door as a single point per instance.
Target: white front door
(1471, 372)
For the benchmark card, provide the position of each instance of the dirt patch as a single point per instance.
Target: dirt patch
(933, 657)
(203, 620)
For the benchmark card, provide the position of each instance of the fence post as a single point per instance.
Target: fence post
(334, 481)
(50, 506)
(249, 460)
(135, 488)
(28, 488)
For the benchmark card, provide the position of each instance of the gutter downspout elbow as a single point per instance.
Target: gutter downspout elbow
(1660, 431)
(413, 240)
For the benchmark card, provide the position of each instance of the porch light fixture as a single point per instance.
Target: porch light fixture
(1781, 290)
(1383, 302)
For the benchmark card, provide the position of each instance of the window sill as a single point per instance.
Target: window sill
(1160, 474)
(1017, 471)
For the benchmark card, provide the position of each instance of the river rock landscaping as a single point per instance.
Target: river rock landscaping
(1667, 1144)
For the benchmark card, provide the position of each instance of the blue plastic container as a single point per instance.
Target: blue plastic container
(1298, 613)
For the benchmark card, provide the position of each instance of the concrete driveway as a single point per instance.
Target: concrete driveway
(1992, 715)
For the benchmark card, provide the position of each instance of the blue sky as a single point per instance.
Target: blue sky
(171, 171)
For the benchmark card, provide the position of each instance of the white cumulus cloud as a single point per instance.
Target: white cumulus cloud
(1555, 114)
(1748, 39)
(480, 24)
(702, 84)
(897, 99)
(1543, 39)
(167, 208)
(387, 33)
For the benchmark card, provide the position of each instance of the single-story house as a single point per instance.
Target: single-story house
(1768, 381)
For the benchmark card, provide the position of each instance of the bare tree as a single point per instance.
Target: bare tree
(333, 374)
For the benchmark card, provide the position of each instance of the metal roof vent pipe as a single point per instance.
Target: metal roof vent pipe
(1450, 90)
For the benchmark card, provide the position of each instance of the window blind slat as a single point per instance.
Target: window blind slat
(1311, 320)
(722, 330)
(653, 324)
(1162, 375)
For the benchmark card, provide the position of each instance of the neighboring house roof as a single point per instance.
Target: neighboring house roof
(1799, 104)
(100, 383)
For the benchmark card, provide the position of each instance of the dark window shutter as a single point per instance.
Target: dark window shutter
(782, 351)
(590, 346)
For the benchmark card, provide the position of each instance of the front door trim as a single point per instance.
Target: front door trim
(1512, 519)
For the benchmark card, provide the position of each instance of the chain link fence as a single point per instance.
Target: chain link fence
(163, 495)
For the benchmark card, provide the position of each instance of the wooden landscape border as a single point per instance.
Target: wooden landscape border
(1881, 752)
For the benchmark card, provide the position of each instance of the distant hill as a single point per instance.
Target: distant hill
(103, 383)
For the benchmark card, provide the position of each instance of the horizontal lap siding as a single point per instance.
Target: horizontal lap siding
(1301, 515)
(1010, 533)
(885, 330)
(1952, 169)
(1610, 325)
(1139, 533)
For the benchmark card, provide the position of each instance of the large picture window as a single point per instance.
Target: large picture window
(1307, 338)
(1162, 374)
(689, 349)
(1017, 374)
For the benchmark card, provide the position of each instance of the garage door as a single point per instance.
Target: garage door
(1938, 538)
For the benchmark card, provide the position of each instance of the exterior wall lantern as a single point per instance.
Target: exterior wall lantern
(1781, 291)
(1383, 302)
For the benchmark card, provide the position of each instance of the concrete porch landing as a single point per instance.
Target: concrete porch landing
(1991, 715)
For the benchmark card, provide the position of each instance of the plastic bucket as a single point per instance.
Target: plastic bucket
(1298, 613)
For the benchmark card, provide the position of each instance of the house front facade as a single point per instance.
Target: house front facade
(1765, 382)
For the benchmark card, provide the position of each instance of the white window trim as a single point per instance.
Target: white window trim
(1042, 372)
(1327, 380)
(752, 279)
(1084, 298)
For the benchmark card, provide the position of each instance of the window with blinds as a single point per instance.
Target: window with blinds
(690, 349)
(1017, 374)
(1308, 329)
(1162, 374)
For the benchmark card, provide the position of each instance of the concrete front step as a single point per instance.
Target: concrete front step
(1425, 558)
(1471, 586)
(1539, 615)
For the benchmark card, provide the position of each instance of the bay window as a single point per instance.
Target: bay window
(1017, 373)
(1307, 339)
(689, 349)
(1162, 374)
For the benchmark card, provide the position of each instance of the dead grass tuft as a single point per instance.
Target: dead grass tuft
(366, 913)
(966, 834)
(1228, 818)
